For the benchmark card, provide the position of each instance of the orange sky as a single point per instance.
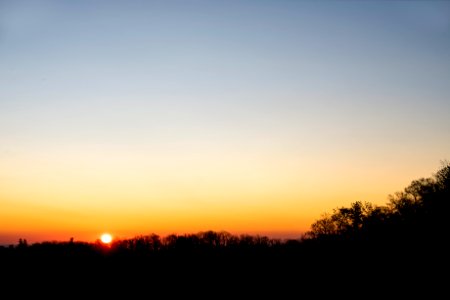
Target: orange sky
(129, 191)
(137, 117)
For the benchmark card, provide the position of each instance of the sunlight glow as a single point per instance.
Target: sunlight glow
(106, 238)
(178, 117)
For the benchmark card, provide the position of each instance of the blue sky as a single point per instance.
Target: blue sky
(240, 60)
(320, 87)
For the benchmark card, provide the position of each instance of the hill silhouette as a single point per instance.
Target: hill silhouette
(400, 247)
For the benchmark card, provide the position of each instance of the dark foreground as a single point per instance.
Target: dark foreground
(290, 269)
(364, 251)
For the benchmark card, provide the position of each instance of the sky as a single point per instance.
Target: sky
(138, 117)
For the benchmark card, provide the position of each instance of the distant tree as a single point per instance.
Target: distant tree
(155, 242)
(343, 221)
(22, 243)
(170, 241)
(442, 177)
(323, 227)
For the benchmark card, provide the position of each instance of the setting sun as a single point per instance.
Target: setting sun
(294, 109)
(106, 238)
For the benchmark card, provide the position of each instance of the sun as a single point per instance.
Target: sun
(106, 238)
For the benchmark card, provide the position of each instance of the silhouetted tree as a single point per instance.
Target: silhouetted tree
(22, 244)
(349, 245)
(323, 227)
(417, 212)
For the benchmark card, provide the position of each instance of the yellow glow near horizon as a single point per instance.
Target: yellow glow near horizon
(249, 118)
(71, 192)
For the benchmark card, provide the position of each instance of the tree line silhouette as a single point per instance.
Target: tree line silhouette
(406, 238)
(418, 214)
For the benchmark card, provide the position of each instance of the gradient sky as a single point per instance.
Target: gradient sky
(135, 117)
